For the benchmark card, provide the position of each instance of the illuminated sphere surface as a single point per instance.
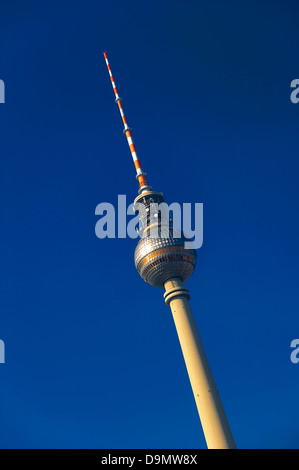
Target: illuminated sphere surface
(159, 259)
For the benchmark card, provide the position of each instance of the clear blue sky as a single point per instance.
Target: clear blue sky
(92, 356)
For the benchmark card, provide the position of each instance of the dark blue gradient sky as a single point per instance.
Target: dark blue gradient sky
(92, 356)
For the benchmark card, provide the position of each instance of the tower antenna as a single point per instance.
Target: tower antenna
(141, 175)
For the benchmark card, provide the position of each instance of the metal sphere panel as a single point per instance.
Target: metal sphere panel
(159, 259)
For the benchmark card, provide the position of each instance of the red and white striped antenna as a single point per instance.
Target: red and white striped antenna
(141, 175)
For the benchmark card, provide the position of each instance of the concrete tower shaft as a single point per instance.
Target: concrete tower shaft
(213, 419)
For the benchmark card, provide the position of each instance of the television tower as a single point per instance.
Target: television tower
(163, 261)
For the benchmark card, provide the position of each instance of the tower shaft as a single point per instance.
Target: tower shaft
(213, 419)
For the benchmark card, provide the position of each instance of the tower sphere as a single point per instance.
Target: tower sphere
(162, 256)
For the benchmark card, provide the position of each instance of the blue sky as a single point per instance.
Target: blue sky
(92, 355)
